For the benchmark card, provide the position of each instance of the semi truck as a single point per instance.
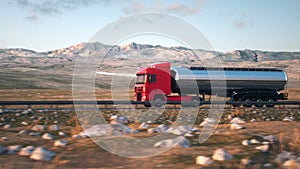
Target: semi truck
(158, 83)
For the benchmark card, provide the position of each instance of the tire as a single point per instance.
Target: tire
(247, 99)
(195, 102)
(236, 104)
(158, 101)
(271, 102)
(258, 104)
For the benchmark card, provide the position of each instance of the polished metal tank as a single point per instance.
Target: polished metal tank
(229, 79)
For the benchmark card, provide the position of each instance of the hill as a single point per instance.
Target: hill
(27, 69)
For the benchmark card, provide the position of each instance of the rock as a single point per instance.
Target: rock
(246, 162)
(26, 151)
(60, 143)
(221, 155)
(23, 132)
(149, 122)
(189, 135)
(151, 130)
(209, 122)
(246, 142)
(195, 129)
(235, 126)
(253, 120)
(254, 141)
(24, 123)
(270, 138)
(115, 119)
(143, 126)
(162, 128)
(237, 120)
(183, 142)
(285, 156)
(8, 126)
(4, 138)
(53, 128)
(202, 160)
(13, 149)
(39, 128)
(263, 148)
(34, 133)
(291, 164)
(268, 165)
(229, 117)
(61, 133)
(76, 136)
(47, 136)
(178, 132)
(288, 119)
(42, 154)
(26, 112)
(107, 130)
(168, 143)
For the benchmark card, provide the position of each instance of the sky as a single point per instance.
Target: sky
(43, 25)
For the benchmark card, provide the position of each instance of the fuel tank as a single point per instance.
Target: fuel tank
(206, 79)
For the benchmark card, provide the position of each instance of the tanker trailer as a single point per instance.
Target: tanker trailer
(159, 82)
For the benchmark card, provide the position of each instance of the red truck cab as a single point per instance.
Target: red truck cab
(153, 82)
(154, 85)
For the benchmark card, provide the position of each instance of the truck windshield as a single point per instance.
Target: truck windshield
(140, 78)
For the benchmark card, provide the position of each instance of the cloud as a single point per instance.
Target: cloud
(181, 8)
(240, 24)
(40, 8)
(134, 8)
(32, 17)
(54, 7)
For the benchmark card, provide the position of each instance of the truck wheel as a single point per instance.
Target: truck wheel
(270, 102)
(258, 103)
(247, 104)
(158, 101)
(195, 102)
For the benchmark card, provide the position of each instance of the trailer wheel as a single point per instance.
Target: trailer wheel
(236, 104)
(270, 102)
(158, 101)
(247, 100)
(258, 103)
(195, 101)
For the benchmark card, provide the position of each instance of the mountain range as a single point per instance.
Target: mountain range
(27, 69)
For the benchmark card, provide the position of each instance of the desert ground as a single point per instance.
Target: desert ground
(18, 127)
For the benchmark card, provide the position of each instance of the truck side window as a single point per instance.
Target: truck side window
(152, 78)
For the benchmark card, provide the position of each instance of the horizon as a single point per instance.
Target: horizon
(16, 48)
(270, 25)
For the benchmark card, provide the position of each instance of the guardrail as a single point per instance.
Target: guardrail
(116, 102)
